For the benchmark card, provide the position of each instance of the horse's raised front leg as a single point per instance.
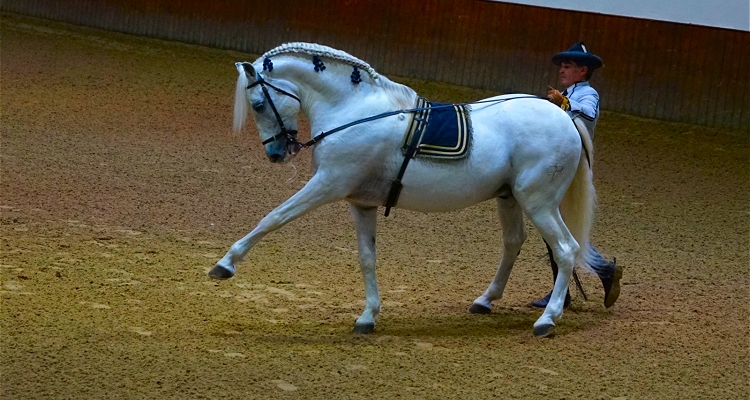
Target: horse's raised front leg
(365, 222)
(514, 234)
(313, 195)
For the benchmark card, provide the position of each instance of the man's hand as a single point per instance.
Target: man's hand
(557, 98)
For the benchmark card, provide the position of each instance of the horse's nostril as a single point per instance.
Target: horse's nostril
(275, 157)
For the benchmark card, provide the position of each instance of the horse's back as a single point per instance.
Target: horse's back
(518, 117)
(509, 138)
(527, 130)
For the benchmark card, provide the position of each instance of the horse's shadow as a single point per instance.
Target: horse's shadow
(505, 322)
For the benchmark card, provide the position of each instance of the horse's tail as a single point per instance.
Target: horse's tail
(240, 100)
(578, 204)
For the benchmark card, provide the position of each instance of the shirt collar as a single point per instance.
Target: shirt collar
(572, 87)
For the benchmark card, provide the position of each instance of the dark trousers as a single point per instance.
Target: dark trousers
(603, 268)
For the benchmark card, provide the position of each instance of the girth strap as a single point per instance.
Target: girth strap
(411, 150)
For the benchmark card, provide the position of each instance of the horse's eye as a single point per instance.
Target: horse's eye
(258, 106)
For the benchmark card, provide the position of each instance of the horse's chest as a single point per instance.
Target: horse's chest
(371, 192)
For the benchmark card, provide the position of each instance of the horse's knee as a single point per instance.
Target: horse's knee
(367, 260)
(514, 240)
(514, 233)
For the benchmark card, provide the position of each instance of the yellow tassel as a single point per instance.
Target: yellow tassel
(565, 104)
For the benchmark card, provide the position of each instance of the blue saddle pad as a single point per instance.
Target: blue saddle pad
(441, 130)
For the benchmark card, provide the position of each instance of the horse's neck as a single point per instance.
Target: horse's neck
(330, 96)
(363, 102)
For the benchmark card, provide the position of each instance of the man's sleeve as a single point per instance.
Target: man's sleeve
(587, 103)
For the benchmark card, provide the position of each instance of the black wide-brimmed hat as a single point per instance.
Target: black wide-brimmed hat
(579, 54)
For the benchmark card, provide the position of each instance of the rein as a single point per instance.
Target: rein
(323, 135)
(291, 134)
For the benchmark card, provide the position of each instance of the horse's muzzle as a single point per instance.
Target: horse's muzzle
(277, 151)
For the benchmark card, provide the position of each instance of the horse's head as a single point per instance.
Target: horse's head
(274, 108)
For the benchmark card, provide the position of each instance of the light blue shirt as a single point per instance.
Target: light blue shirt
(584, 104)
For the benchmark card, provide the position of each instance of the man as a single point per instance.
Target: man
(580, 100)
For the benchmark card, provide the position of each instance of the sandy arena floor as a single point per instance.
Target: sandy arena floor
(122, 184)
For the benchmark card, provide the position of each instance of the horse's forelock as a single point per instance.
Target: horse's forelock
(240, 98)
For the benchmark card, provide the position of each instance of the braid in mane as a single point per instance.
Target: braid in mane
(320, 50)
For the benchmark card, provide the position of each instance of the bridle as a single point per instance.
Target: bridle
(290, 134)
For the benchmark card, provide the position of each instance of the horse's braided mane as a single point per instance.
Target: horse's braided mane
(403, 95)
(320, 50)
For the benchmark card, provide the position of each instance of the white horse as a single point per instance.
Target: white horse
(526, 154)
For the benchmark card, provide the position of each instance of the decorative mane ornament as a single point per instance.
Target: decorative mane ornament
(356, 77)
(267, 65)
(319, 66)
(321, 51)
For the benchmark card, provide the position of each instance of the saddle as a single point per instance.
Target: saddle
(439, 131)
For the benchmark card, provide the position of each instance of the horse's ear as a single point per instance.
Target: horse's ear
(246, 68)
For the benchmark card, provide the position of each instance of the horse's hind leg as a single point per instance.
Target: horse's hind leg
(365, 222)
(564, 249)
(539, 189)
(514, 234)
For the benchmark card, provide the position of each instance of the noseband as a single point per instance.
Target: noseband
(290, 134)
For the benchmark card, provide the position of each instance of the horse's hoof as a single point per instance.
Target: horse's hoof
(219, 272)
(479, 309)
(364, 329)
(545, 330)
